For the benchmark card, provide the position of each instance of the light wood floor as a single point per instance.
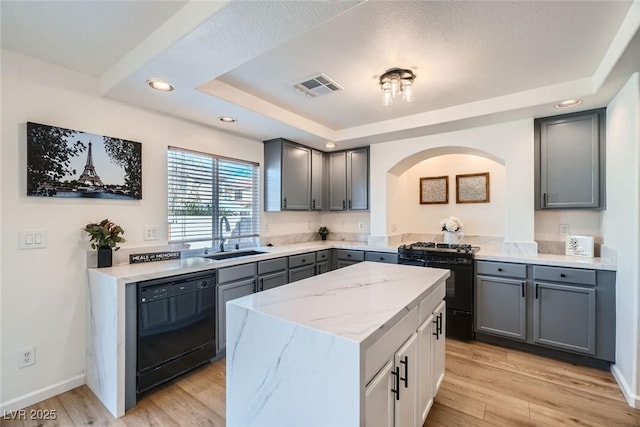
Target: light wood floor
(484, 385)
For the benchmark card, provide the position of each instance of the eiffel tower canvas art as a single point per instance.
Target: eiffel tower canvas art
(70, 163)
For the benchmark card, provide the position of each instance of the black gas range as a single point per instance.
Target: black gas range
(458, 259)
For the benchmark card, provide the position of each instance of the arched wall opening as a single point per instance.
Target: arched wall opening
(506, 145)
(479, 219)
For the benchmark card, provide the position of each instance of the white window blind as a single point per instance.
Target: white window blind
(202, 188)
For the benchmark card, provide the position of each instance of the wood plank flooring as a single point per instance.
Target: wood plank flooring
(484, 385)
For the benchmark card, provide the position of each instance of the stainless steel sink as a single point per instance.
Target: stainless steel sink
(234, 254)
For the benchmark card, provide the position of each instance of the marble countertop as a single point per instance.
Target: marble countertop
(354, 303)
(154, 270)
(496, 253)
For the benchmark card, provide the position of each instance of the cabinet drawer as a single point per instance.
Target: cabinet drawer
(350, 255)
(301, 273)
(505, 269)
(566, 275)
(272, 265)
(322, 256)
(302, 259)
(429, 304)
(381, 257)
(230, 274)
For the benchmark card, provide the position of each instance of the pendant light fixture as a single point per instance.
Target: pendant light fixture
(397, 81)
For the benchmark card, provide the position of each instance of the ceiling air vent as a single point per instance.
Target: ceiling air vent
(316, 86)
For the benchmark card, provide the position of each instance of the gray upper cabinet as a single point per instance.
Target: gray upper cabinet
(349, 180)
(569, 156)
(317, 180)
(287, 175)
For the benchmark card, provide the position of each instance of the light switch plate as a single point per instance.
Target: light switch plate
(33, 239)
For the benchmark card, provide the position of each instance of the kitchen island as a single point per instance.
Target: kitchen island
(355, 346)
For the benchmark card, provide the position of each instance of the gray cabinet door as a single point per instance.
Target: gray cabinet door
(273, 280)
(227, 293)
(317, 180)
(569, 161)
(300, 273)
(564, 317)
(296, 177)
(358, 179)
(338, 181)
(322, 267)
(501, 307)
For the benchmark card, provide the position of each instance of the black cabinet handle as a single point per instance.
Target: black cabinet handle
(405, 362)
(284, 205)
(348, 255)
(349, 204)
(536, 291)
(304, 260)
(438, 329)
(396, 381)
(522, 289)
(381, 258)
(563, 275)
(544, 199)
(440, 324)
(499, 269)
(344, 204)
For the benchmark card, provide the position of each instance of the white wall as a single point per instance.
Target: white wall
(508, 143)
(486, 219)
(43, 291)
(621, 230)
(581, 223)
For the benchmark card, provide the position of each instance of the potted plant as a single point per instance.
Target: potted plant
(105, 235)
(324, 231)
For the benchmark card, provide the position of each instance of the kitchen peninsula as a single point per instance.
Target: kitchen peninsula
(355, 346)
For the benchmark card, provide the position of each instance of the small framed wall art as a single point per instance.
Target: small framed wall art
(434, 190)
(472, 188)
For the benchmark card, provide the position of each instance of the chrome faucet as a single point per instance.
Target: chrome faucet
(223, 219)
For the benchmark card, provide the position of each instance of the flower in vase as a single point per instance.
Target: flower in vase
(451, 223)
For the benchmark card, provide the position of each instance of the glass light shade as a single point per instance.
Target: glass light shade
(395, 84)
(386, 97)
(407, 91)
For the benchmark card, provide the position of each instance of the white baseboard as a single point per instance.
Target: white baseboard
(632, 399)
(45, 393)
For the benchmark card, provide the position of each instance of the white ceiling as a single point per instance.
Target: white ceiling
(476, 62)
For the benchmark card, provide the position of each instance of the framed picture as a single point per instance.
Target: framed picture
(434, 190)
(472, 188)
(70, 163)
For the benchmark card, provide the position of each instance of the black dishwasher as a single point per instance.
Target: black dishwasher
(176, 327)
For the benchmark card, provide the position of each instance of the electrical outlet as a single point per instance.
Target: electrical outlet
(564, 230)
(26, 357)
(360, 225)
(266, 226)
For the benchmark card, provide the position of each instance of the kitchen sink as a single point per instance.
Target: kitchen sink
(234, 254)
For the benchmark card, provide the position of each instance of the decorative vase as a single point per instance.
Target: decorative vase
(105, 257)
(452, 237)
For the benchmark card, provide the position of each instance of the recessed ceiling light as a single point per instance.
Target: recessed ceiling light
(160, 85)
(227, 119)
(568, 103)
(330, 145)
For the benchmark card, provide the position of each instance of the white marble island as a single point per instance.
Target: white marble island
(314, 352)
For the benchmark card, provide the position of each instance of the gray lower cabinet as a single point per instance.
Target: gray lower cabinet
(272, 273)
(387, 257)
(558, 308)
(322, 267)
(501, 307)
(233, 282)
(569, 157)
(564, 316)
(346, 257)
(302, 266)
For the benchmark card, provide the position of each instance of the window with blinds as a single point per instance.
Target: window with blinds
(202, 189)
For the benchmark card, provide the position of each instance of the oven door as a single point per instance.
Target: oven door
(459, 294)
(411, 260)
